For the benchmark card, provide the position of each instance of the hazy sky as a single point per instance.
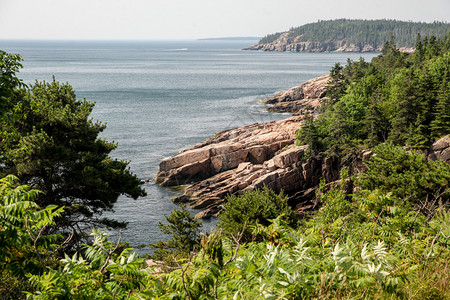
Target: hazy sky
(187, 19)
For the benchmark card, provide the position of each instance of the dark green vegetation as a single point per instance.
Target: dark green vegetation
(389, 239)
(260, 207)
(372, 244)
(363, 32)
(398, 97)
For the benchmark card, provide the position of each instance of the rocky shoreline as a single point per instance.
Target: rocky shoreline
(252, 156)
(286, 43)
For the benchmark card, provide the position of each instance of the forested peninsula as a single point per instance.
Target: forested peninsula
(345, 35)
(366, 215)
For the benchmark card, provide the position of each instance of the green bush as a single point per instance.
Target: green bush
(242, 213)
(185, 231)
(410, 177)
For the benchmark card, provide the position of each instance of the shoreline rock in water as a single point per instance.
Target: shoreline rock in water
(254, 143)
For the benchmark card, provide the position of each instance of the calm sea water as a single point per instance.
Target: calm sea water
(158, 97)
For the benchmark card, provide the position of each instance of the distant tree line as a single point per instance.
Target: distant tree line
(363, 32)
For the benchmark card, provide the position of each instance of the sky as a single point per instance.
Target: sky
(192, 19)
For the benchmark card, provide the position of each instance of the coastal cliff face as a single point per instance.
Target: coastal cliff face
(297, 44)
(285, 43)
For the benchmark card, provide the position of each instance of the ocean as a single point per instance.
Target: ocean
(160, 97)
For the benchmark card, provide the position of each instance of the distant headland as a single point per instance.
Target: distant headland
(344, 35)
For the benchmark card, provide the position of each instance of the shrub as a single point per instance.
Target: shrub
(243, 212)
(185, 231)
(419, 183)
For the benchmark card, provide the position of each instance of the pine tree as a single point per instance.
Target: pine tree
(377, 125)
(419, 52)
(404, 101)
(185, 231)
(53, 146)
(307, 134)
(440, 126)
(337, 85)
(425, 98)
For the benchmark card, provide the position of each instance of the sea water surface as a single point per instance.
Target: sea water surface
(159, 97)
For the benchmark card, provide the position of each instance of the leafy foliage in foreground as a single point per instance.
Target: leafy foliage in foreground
(23, 247)
(99, 274)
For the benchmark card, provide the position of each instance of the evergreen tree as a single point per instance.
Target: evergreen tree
(419, 52)
(377, 125)
(307, 134)
(425, 98)
(52, 145)
(389, 45)
(440, 126)
(242, 213)
(337, 85)
(185, 232)
(9, 66)
(403, 99)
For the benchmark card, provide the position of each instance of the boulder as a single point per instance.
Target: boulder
(440, 149)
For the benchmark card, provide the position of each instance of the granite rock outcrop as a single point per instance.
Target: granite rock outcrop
(288, 170)
(308, 95)
(255, 143)
(252, 156)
